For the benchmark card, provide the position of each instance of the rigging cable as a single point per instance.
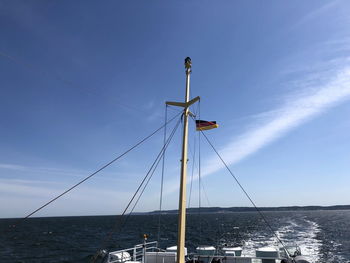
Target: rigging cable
(154, 169)
(245, 192)
(97, 171)
(119, 222)
(199, 176)
(202, 183)
(197, 169)
(205, 193)
(193, 157)
(193, 166)
(162, 176)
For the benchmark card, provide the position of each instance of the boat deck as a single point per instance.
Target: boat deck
(150, 253)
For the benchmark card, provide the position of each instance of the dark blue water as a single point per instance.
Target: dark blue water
(323, 235)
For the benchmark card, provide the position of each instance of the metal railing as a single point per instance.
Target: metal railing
(137, 252)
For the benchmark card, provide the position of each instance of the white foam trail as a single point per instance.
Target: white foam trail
(298, 231)
(304, 235)
(309, 245)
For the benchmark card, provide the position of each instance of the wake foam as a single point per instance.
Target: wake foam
(301, 232)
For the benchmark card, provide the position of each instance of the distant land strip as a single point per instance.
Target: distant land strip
(251, 209)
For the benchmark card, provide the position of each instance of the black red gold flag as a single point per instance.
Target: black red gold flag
(202, 125)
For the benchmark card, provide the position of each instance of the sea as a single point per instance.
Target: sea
(324, 236)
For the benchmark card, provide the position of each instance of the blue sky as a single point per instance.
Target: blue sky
(83, 81)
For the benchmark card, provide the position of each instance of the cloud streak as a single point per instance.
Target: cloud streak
(296, 111)
(24, 196)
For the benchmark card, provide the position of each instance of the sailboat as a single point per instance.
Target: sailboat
(149, 252)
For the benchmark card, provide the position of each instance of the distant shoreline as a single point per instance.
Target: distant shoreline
(251, 209)
(218, 210)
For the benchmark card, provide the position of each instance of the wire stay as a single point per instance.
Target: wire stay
(162, 175)
(97, 171)
(152, 168)
(244, 191)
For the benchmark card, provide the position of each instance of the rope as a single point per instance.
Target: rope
(245, 192)
(197, 168)
(193, 154)
(162, 177)
(193, 166)
(205, 193)
(199, 177)
(119, 222)
(97, 171)
(202, 183)
(154, 167)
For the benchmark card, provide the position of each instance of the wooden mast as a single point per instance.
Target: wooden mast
(180, 258)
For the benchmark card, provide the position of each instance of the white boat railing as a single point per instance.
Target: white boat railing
(136, 253)
(235, 259)
(150, 253)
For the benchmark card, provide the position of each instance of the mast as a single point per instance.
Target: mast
(182, 196)
(180, 258)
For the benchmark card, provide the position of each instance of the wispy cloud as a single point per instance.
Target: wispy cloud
(23, 196)
(297, 109)
(28, 188)
(154, 116)
(45, 170)
(317, 13)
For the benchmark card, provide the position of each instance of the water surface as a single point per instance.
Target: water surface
(323, 235)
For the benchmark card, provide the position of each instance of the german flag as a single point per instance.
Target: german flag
(205, 125)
